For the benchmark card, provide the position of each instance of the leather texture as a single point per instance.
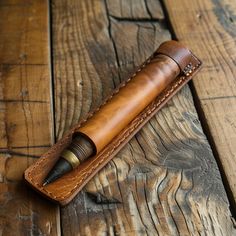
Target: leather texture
(118, 119)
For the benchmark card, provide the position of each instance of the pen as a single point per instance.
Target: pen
(129, 100)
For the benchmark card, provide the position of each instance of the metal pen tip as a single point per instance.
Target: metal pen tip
(61, 167)
(45, 183)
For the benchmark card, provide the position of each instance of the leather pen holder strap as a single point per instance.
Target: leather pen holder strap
(169, 68)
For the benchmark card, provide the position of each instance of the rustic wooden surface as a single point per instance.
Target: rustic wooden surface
(25, 113)
(209, 27)
(165, 181)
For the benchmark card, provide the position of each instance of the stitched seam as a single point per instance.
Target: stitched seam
(125, 135)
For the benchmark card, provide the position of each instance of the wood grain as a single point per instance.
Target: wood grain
(135, 10)
(209, 28)
(165, 181)
(25, 115)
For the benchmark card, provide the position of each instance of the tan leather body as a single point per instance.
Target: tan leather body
(118, 112)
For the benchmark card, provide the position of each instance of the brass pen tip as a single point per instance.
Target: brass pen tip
(79, 149)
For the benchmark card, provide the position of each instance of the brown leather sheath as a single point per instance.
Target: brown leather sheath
(118, 119)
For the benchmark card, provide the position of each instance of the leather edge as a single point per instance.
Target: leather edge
(179, 53)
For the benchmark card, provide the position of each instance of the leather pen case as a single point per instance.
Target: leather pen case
(124, 112)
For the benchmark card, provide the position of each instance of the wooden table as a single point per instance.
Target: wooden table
(59, 60)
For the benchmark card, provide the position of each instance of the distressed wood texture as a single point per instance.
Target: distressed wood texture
(209, 27)
(165, 181)
(25, 114)
(138, 9)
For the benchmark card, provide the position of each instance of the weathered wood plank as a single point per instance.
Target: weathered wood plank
(136, 10)
(75, 94)
(165, 181)
(25, 115)
(209, 28)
